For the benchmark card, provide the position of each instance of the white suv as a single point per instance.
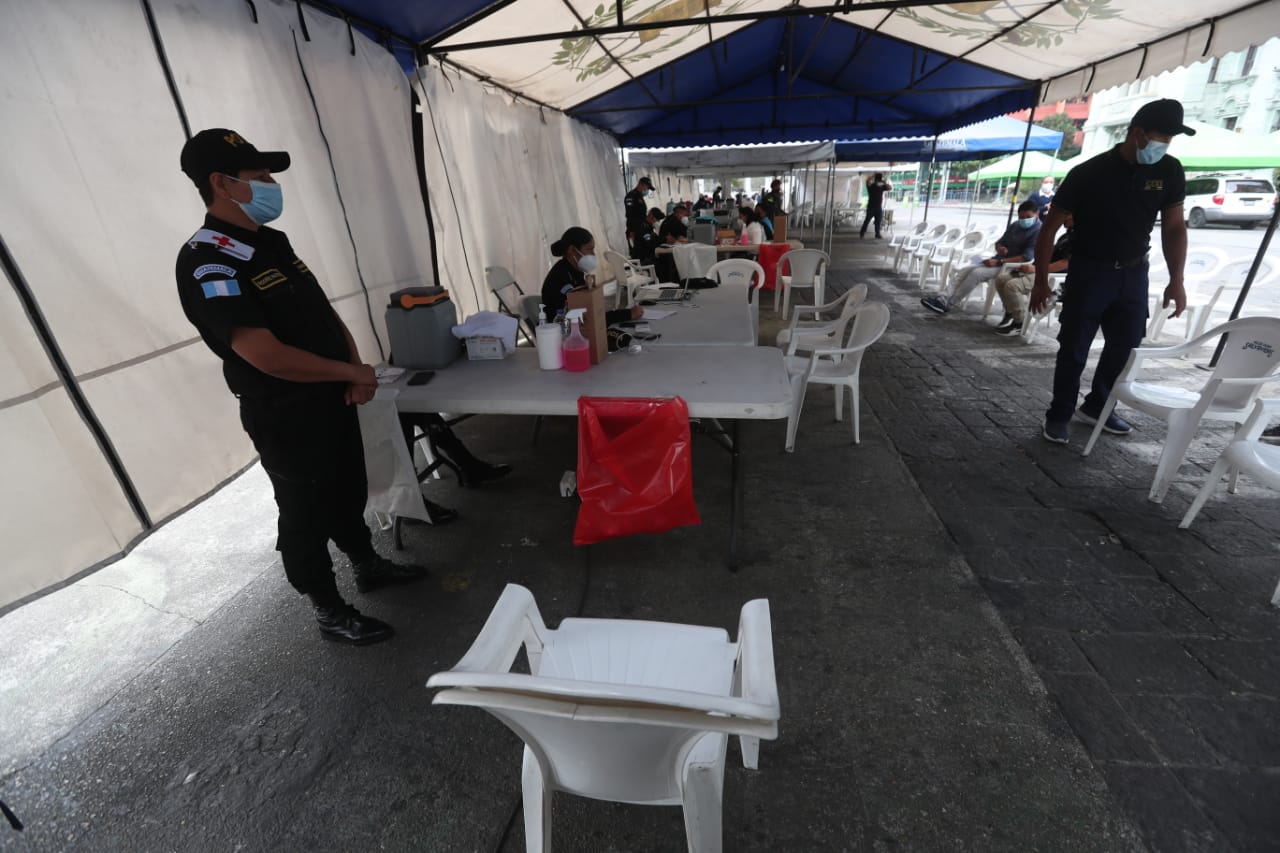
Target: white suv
(1233, 200)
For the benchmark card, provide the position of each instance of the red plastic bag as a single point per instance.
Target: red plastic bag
(635, 472)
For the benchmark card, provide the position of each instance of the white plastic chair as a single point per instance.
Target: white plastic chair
(809, 335)
(944, 263)
(918, 263)
(1245, 454)
(898, 245)
(1204, 264)
(508, 294)
(1031, 320)
(808, 272)
(740, 272)
(912, 245)
(839, 367)
(820, 315)
(1250, 357)
(622, 710)
(630, 275)
(693, 260)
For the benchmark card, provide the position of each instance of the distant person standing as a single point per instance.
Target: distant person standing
(773, 199)
(1043, 197)
(876, 188)
(1114, 199)
(636, 208)
(717, 198)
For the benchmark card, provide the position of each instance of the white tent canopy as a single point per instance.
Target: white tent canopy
(743, 159)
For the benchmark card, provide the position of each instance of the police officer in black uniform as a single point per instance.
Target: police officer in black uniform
(646, 240)
(1114, 199)
(294, 366)
(635, 208)
(772, 200)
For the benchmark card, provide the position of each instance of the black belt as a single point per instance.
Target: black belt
(1115, 265)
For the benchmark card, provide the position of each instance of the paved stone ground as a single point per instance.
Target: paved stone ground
(1158, 645)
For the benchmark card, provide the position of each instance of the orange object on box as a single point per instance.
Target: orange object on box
(409, 300)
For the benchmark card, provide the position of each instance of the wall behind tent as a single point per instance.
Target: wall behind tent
(506, 181)
(95, 210)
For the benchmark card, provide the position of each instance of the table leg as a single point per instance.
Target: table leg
(735, 498)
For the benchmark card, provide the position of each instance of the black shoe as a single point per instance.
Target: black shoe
(1114, 424)
(1006, 321)
(936, 304)
(440, 514)
(377, 571)
(1271, 436)
(1056, 431)
(344, 624)
(482, 472)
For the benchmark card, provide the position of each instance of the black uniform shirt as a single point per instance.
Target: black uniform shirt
(634, 205)
(561, 278)
(772, 202)
(673, 227)
(646, 244)
(229, 276)
(1115, 202)
(875, 195)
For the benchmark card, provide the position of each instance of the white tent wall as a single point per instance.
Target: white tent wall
(95, 209)
(506, 181)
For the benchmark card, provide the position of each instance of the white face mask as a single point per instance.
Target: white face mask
(587, 263)
(684, 220)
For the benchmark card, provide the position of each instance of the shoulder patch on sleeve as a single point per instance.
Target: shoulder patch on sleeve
(212, 269)
(234, 248)
(268, 279)
(214, 289)
(302, 268)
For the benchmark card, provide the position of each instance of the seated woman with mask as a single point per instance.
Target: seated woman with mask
(752, 230)
(576, 250)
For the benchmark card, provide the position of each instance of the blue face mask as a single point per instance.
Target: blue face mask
(1153, 153)
(267, 203)
(1028, 223)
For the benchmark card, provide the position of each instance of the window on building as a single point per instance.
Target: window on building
(1213, 70)
(1249, 56)
(1230, 122)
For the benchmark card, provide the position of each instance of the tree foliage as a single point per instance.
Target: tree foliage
(1064, 124)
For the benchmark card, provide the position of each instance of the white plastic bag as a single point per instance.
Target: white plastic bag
(393, 482)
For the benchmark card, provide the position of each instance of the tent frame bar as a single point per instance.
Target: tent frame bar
(433, 46)
(816, 96)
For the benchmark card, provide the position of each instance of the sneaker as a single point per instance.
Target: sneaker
(377, 571)
(1115, 424)
(1005, 322)
(1010, 331)
(935, 304)
(1271, 435)
(1056, 431)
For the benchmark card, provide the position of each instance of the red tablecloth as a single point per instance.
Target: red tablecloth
(768, 258)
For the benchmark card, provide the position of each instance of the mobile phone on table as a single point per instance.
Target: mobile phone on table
(422, 377)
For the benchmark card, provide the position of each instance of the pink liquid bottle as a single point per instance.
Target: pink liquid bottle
(577, 350)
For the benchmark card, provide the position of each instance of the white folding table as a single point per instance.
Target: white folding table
(717, 382)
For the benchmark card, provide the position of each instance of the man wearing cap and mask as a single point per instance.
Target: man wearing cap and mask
(294, 366)
(636, 209)
(1114, 199)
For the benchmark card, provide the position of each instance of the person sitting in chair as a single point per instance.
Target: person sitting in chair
(1014, 283)
(471, 471)
(1016, 246)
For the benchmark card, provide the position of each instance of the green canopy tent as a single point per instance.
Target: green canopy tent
(1215, 149)
(1037, 165)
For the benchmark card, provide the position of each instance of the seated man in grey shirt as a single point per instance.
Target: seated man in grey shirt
(1016, 246)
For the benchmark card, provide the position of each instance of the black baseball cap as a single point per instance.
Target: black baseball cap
(1164, 115)
(648, 183)
(220, 150)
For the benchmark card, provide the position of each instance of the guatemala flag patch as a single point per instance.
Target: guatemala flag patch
(213, 289)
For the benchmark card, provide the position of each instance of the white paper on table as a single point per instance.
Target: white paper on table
(386, 393)
(387, 375)
(657, 314)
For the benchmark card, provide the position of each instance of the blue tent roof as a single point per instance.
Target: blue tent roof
(984, 139)
(689, 72)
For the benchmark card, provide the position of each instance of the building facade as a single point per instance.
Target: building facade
(1239, 91)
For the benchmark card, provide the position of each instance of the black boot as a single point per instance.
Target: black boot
(471, 471)
(440, 514)
(342, 623)
(377, 571)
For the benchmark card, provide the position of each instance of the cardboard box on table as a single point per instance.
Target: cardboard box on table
(593, 323)
(779, 227)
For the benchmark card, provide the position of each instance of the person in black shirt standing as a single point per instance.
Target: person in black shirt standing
(635, 207)
(295, 368)
(772, 200)
(876, 188)
(1114, 199)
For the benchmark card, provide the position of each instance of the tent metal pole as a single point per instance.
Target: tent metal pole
(968, 217)
(1248, 281)
(1026, 140)
(831, 194)
(928, 189)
